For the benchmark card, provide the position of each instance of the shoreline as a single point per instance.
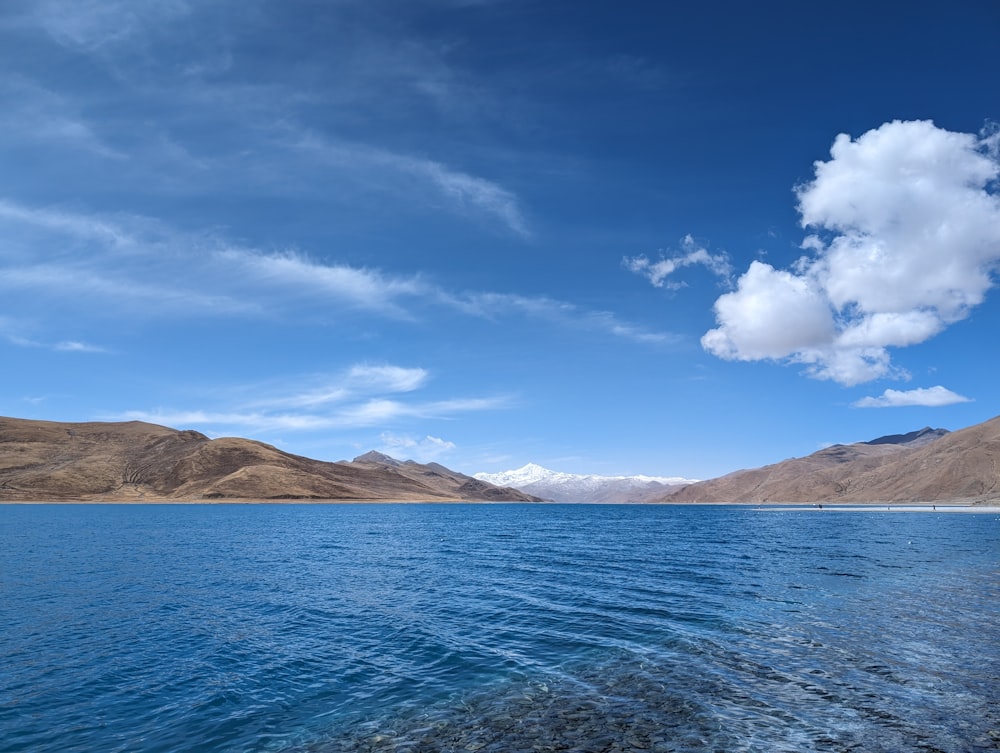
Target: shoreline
(867, 507)
(990, 507)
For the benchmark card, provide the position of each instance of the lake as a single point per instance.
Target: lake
(482, 628)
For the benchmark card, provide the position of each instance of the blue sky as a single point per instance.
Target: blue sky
(616, 238)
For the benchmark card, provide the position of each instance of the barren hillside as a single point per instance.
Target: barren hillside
(959, 466)
(135, 461)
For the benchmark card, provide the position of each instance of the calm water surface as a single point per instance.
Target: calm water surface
(315, 629)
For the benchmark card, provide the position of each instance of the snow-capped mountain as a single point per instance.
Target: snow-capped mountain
(570, 487)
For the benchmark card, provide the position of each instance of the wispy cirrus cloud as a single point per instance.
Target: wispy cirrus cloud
(108, 235)
(362, 396)
(63, 346)
(408, 447)
(18, 333)
(500, 305)
(379, 411)
(75, 346)
(91, 25)
(37, 116)
(360, 379)
(337, 283)
(117, 291)
(80, 258)
(219, 423)
(930, 397)
(463, 192)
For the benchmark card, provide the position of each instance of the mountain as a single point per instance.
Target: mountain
(568, 487)
(140, 462)
(436, 476)
(930, 465)
(916, 438)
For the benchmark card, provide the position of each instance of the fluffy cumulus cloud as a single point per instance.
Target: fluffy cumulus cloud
(905, 240)
(757, 315)
(659, 272)
(929, 397)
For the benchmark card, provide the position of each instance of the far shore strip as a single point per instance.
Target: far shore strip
(990, 508)
(868, 507)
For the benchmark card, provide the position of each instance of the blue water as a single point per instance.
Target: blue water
(306, 628)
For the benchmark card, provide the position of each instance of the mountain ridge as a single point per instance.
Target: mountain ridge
(134, 461)
(588, 488)
(929, 465)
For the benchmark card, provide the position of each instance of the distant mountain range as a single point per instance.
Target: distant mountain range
(567, 487)
(929, 465)
(140, 462)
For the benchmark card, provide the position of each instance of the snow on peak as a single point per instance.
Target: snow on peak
(560, 486)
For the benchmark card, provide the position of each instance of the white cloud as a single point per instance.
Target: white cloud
(364, 288)
(907, 242)
(259, 422)
(657, 272)
(495, 305)
(463, 192)
(116, 291)
(78, 257)
(39, 116)
(79, 226)
(914, 227)
(468, 190)
(423, 450)
(930, 397)
(387, 378)
(358, 380)
(90, 25)
(14, 332)
(74, 346)
(771, 314)
(847, 366)
(361, 396)
(382, 410)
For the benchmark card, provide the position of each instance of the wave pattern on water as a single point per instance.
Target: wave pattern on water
(316, 629)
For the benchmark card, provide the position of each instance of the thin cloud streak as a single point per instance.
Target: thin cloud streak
(423, 450)
(359, 380)
(465, 193)
(93, 25)
(80, 226)
(38, 116)
(930, 397)
(13, 332)
(370, 413)
(492, 306)
(246, 281)
(361, 396)
(121, 293)
(352, 286)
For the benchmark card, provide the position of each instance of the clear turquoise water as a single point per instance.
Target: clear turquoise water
(496, 628)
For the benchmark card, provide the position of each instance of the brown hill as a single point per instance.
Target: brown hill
(135, 461)
(958, 466)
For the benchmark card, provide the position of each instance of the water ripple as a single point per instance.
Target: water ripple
(317, 629)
